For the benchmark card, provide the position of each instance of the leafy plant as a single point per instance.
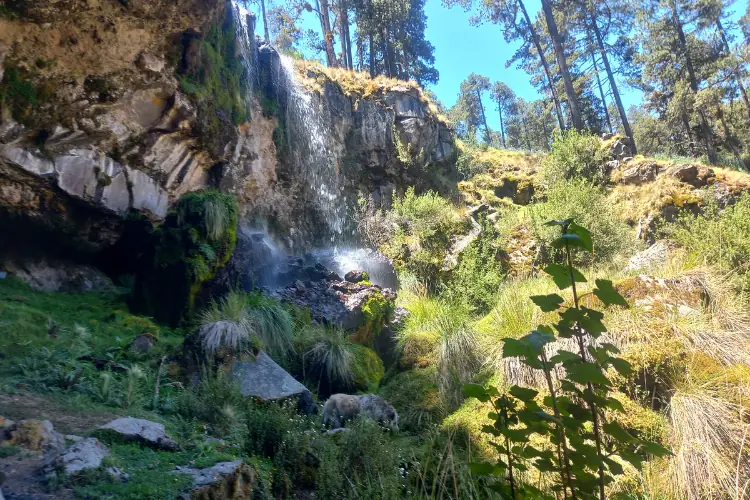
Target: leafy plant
(587, 449)
(575, 155)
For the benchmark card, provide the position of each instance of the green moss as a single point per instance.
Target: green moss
(375, 313)
(19, 94)
(218, 83)
(367, 368)
(197, 238)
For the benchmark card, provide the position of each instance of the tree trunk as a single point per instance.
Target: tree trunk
(601, 93)
(562, 64)
(546, 132)
(550, 82)
(360, 52)
(265, 20)
(325, 25)
(484, 118)
(390, 63)
(736, 69)
(346, 40)
(682, 41)
(372, 57)
(728, 137)
(611, 77)
(502, 128)
(689, 132)
(526, 133)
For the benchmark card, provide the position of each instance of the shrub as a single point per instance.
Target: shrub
(575, 155)
(586, 203)
(423, 227)
(717, 237)
(479, 274)
(415, 396)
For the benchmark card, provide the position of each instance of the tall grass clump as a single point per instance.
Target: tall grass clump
(586, 203)
(327, 356)
(575, 155)
(440, 333)
(717, 237)
(272, 323)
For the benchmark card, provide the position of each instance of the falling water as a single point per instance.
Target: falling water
(245, 34)
(314, 152)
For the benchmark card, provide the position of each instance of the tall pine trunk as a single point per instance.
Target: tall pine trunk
(502, 127)
(372, 57)
(728, 137)
(265, 20)
(545, 65)
(601, 93)
(325, 26)
(707, 136)
(611, 77)
(562, 63)
(484, 118)
(736, 70)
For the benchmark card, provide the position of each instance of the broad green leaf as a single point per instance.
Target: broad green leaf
(547, 303)
(481, 468)
(584, 234)
(523, 393)
(561, 275)
(614, 404)
(615, 430)
(476, 391)
(562, 356)
(622, 366)
(572, 240)
(585, 373)
(655, 449)
(538, 339)
(614, 466)
(608, 295)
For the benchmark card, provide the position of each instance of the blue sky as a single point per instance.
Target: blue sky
(461, 49)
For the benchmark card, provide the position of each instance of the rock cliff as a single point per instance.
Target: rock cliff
(111, 110)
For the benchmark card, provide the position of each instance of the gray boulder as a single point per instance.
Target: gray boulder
(654, 256)
(85, 454)
(263, 378)
(225, 480)
(143, 431)
(640, 174)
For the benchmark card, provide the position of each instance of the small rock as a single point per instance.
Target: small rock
(37, 435)
(149, 62)
(225, 480)
(684, 173)
(627, 159)
(141, 430)
(300, 286)
(85, 454)
(355, 276)
(117, 474)
(73, 438)
(143, 343)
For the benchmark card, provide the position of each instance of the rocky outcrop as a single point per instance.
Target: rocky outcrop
(224, 480)
(142, 431)
(85, 454)
(51, 276)
(35, 435)
(264, 379)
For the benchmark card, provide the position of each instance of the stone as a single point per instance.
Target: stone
(58, 276)
(640, 174)
(36, 435)
(149, 62)
(147, 193)
(34, 164)
(85, 454)
(653, 257)
(223, 481)
(684, 173)
(143, 431)
(143, 343)
(355, 276)
(263, 378)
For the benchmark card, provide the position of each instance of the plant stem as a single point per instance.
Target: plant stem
(589, 386)
(510, 458)
(560, 431)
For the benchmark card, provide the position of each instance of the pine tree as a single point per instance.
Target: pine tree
(505, 99)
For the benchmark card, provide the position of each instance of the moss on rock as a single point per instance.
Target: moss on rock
(197, 238)
(367, 368)
(375, 312)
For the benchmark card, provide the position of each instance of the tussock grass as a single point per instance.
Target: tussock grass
(329, 354)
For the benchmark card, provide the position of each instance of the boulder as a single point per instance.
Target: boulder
(149, 62)
(223, 481)
(640, 174)
(143, 343)
(36, 435)
(142, 431)
(689, 174)
(85, 454)
(263, 378)
(58, 276)
(356, 276)
(654, 256)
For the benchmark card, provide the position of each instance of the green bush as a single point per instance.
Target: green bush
(415, 396)
(575, 155)
(423, 227)
(717, 237)
(196, 239)
(479, 274)
(588, 205)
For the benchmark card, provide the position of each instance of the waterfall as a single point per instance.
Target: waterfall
(244, 29)
(314, 153)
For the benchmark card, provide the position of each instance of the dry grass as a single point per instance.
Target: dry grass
(635, 202)
(359, 83)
